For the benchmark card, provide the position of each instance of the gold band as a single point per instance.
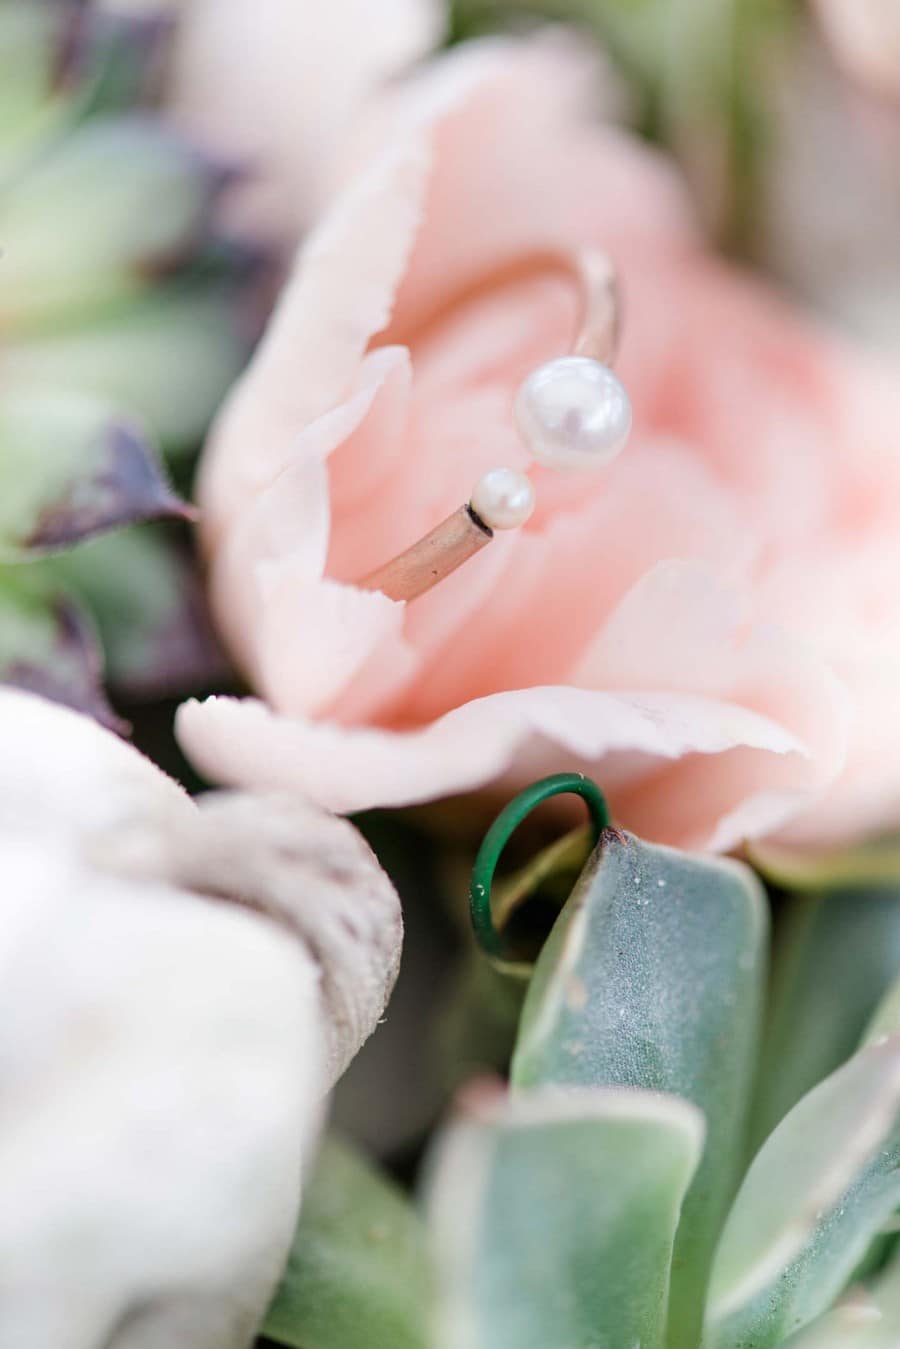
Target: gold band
(463, 534)
(426, 563)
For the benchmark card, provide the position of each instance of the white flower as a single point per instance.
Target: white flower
(179, 985)
(276, 83)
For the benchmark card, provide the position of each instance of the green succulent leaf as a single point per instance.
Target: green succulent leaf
(93, 214)
(837, 953)
(653, 976)
(61, 63)
(886, 1019)
(357, 1273)
(146, 600)
(119, 318)
(168, 358)
(48, 645)
(119, 59)
(553, 1215)
(30, 106)
(70, 467)
(868, 1318)
(818, 1194)
(477, 1030)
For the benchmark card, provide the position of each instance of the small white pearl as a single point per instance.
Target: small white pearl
(573, 413)
(503, 498)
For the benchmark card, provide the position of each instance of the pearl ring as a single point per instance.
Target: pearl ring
(572, 413)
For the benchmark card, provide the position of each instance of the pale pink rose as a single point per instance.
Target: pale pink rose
(865, 37)
(711, 627)
(274, 84)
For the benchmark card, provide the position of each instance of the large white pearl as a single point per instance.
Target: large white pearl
(573, 413)
(503, 498)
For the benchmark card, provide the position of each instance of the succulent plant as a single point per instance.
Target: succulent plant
(118, 336)
(692, 1148)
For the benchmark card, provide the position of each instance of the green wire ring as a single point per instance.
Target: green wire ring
(497, 837)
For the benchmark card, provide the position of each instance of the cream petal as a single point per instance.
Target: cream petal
(277, 85)
(310, 872)
(180, 987)
(160, 1093)
(61, 774)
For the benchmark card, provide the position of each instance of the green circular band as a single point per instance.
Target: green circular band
(497, 837)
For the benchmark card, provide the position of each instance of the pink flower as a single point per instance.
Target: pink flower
(711, 627)
(275, 84)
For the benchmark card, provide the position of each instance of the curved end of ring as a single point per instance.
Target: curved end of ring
(500, 832)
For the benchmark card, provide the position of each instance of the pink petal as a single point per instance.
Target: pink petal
(315, 636)
(493, 107)
(289, 522)
(560, 581)
(340, 294)
(622, 737)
